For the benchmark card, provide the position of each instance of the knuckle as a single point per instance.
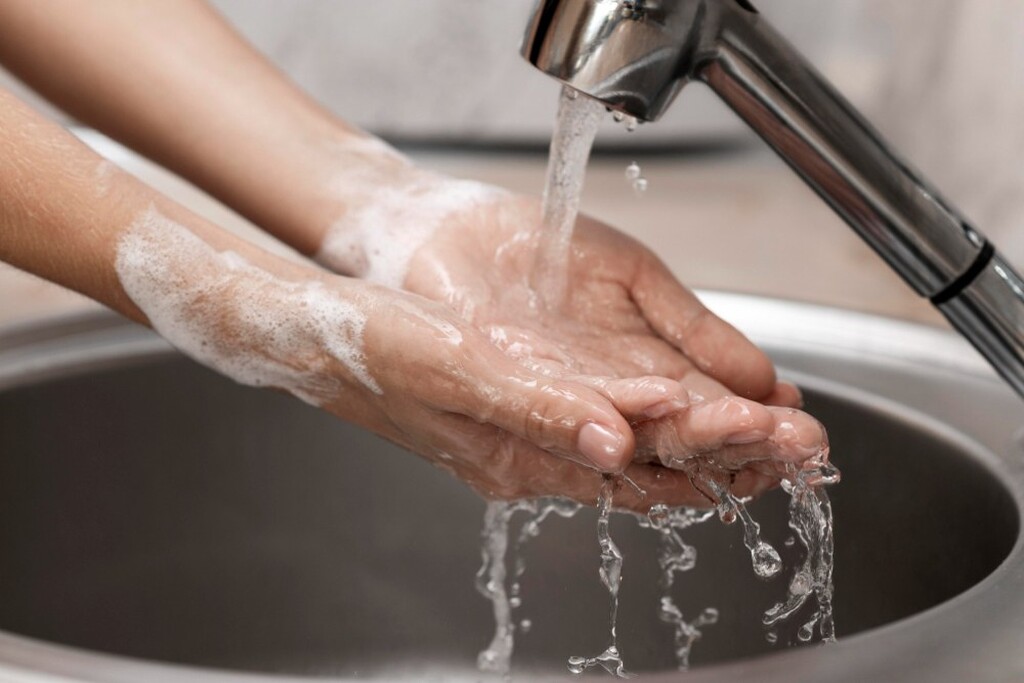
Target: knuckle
(547, 416)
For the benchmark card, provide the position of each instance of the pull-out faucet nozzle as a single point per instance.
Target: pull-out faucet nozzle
(636, 55)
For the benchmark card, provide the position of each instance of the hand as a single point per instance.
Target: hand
(408, 368)
(625, 316)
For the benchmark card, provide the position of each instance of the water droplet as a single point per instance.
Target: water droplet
(633, 171)
(525, 625)
(658, 515)
(515, 602)
(640, 185)
(618, 116)
(772, 637)
(806, 632)
(789, 541)
(576, 664)
(767, 562)
(708, 616)
(727, 515)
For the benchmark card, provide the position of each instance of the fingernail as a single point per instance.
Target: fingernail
(602, 446)
(660, 410)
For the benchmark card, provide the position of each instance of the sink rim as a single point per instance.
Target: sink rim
(83, 342)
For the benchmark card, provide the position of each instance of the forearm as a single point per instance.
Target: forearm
(64, 210)
(172, 80)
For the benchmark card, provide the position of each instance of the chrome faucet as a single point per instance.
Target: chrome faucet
(635, 56)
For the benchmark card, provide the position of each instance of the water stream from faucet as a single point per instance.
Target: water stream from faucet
(575, 129)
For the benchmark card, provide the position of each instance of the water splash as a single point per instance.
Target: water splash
(676, 556)
(492, 578)
(810, 518)
(611, 576)
(490, 582)
(764, 558)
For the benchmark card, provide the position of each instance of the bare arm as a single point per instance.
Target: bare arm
(393, 362)
(449, 379)
(172, 80)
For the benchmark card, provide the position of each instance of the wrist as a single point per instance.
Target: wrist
(252, 316)
(385, 209)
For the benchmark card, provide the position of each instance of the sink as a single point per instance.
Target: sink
(160, 523)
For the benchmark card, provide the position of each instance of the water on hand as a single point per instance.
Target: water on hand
(810, 510)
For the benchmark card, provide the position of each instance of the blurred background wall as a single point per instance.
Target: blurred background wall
(942, 79)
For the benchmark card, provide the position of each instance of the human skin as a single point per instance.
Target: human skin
(632, 375)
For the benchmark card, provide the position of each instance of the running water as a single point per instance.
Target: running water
(810, 518)
(491, 579)
(809, 509)
(611, 576)
(766, 560)
(575, 130)
(674, 557)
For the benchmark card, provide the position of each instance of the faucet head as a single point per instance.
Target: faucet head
(632, 55)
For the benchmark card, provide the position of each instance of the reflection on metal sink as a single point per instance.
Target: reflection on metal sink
(154, 510)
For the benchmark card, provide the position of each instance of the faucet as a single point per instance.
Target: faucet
(635, 56)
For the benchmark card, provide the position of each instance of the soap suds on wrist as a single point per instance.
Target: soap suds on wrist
(237, 318)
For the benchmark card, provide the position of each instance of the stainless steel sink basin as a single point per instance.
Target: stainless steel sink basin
(158, 523)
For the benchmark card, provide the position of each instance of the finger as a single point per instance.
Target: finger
(708, 427)
(556, 415)
(732, 432)
(518, 469)
(785, 395)
(715, 347)
(542, 474)
(640, 398)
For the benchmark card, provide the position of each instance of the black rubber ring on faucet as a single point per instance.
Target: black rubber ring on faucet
(967, 277)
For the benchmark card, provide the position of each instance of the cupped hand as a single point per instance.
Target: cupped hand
(626, 329)
(508, 429)
(406, 367)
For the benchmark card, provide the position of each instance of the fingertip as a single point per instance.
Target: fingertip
(609, 449)
(738, 420)
(785, 395)
(797, 435)
(641, 398)
(751, 374)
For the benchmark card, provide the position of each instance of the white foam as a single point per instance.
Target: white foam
(377, 239)
(225, 312)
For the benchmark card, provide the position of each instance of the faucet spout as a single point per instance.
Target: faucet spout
(636, 55)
